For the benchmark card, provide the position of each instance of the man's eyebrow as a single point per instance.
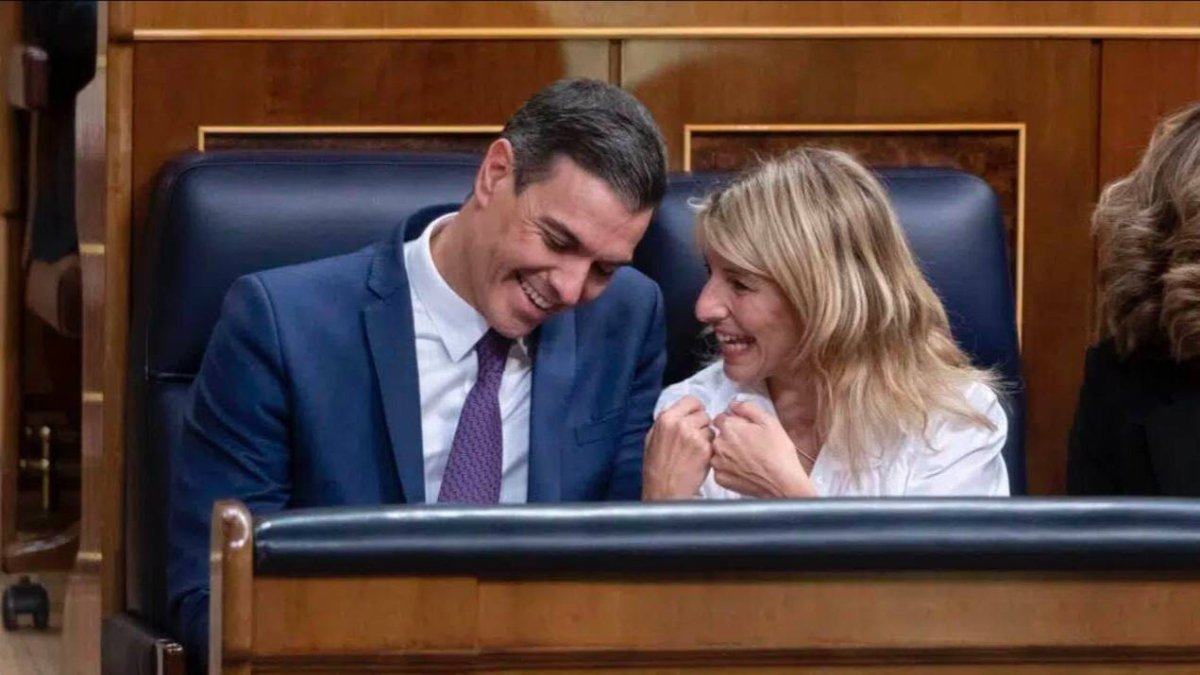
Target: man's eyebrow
(560, 230)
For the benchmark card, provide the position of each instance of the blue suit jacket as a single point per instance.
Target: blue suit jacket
(308, 396)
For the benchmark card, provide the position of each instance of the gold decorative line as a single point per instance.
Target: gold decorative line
(203, 131)
(91, 248)
(663, 33)
(89, 556)
(93, 397)
(1017, 127)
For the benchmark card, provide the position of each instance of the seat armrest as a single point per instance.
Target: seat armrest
(130, 646)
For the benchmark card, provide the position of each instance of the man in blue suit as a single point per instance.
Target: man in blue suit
(497, 351)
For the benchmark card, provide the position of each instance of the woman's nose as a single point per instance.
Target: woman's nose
(709, 307)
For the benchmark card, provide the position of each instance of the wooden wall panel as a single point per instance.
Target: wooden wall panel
(1141, 81)
(428, 614)
(105, 520)
(83, 603)
(10, 29)
(200, 15)
(10, 283)
(840, 612)
(749, 622)
(1088, 117)
(705, 665)
(1051, 86)
(335, 84)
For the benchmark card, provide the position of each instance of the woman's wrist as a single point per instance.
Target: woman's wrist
(667, 490)
(798, 486)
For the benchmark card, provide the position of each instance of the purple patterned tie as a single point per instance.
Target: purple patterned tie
(473, 470)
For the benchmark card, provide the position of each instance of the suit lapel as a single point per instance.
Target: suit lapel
(390, 333)
(389, 328)
(553, 375)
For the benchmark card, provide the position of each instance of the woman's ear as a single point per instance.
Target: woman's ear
(496, 172)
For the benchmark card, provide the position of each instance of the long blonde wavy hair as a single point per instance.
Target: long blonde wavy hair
(873, 334)
(1148, 224)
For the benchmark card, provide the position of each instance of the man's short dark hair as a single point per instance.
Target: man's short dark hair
(600, 127)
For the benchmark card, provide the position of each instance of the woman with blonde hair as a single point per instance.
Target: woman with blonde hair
(837, 374)
(1137, 424)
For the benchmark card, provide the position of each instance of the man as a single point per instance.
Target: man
(500, 352)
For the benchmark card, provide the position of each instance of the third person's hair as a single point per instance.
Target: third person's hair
(1149, 228)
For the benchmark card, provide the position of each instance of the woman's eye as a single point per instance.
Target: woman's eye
(739, 286)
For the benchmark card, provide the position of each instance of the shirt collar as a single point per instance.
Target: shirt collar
(459, 325)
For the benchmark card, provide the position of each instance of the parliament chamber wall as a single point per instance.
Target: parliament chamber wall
(1045, 101)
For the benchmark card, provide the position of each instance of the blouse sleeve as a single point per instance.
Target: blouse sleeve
(963, 459)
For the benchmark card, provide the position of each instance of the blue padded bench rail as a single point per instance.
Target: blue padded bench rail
(824, 535)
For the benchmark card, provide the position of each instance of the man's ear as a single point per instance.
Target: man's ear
(496, 172)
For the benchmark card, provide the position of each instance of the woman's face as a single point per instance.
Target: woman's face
(755, 327)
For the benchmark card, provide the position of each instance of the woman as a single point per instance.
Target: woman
(1137, 425)
(837, 373)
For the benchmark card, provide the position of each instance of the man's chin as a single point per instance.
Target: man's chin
(511, 330)
(518, 316)
(514, 325)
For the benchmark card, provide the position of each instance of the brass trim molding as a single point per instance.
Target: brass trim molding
(93, 397)
(662, 33)
(203, 131)
(90, 248)
(1014, 127)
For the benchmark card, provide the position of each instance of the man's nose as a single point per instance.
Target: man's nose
(570, 281)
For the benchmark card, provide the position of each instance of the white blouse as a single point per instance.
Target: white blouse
(953, 459)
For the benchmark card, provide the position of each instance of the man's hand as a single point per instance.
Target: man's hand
(678, 452)
(753, 456)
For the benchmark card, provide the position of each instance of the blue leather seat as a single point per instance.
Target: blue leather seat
(953, 223)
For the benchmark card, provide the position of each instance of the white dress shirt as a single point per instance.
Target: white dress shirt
(446, 330)
(953, 458)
